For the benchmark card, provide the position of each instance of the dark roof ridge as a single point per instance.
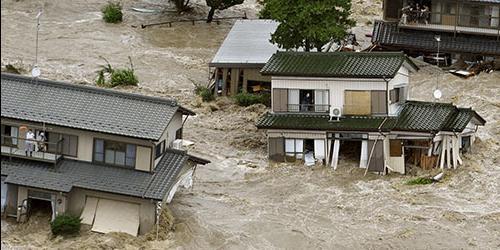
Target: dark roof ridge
(363, 53)
(160, 100)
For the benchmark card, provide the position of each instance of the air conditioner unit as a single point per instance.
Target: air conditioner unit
(335, 112)
(177, 144)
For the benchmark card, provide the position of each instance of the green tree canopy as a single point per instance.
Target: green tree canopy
(220, 5)
(308, 23)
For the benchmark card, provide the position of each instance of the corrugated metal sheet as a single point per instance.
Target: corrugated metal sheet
(247, 43)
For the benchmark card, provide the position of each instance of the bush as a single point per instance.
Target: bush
(66, 225)
(112, 13)
(109, 77)
(123, 77)
(205, 93)
(420, 181)
(246, 99)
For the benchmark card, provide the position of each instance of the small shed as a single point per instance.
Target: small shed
(237, 64)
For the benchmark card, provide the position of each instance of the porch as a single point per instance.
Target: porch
(32, 149)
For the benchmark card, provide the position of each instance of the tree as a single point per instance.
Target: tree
(308, 23)
(220, 5)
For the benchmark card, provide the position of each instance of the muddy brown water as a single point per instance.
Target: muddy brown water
(241, 201)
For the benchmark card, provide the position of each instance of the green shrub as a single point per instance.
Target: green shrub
(419, 181)
(112, 12)
(206, 94)
(122, 77)
(65, 225)
(246, 99)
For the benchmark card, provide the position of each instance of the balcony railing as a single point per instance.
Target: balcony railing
(457, 23)
(315, 108)
(32, 149)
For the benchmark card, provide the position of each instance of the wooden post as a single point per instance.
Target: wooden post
(455, 151)
(335, 155)
(235, 77)
(448, 156)
(363, 160)
(245, 80)
(224, 81)
(443, 151)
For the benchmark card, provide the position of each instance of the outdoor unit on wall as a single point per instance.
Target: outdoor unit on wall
(177, 144)
(335, 112)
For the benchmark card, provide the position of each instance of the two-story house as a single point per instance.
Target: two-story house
(100, 154)
(464, 27)
(325, 105)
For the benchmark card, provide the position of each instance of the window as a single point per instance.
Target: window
(68, 145)
(114, 153)
(160, 148)
(9, 135)
(397, 95)
(294, 148)
(178, 134)
(357, 102)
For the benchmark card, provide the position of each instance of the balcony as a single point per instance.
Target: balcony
(453, 23)
(40, 150)
(308, 108)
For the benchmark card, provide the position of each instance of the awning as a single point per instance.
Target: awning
(111, 216)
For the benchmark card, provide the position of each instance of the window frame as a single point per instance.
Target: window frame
(103, 162)
(61, 136)
(160, 146)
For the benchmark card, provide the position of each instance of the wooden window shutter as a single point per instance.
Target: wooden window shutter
(280, 100)
(402, 94)
(378, 102)
(396, 149)
(392, 95)
(277, 149)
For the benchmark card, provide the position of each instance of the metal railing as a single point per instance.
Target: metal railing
(456, 22)
(315, 108)
(13, 146)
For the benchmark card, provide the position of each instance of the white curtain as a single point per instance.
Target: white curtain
(293, 100)
(289, 146)
(14, 132)
(299, 148)
(321, 100)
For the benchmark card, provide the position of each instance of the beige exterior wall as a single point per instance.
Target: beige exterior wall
(299, 134)
(86, 139)
(337, 86)
(147, 213)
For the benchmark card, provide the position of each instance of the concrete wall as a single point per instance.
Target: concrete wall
(147, 208)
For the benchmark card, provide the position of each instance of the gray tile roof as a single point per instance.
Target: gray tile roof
(337, 64)
(84, 107)
(388, 35)
(69, 173)
(247, 43)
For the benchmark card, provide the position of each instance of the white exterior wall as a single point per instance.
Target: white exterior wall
(400, 80)
(169, 134)
(337, 86)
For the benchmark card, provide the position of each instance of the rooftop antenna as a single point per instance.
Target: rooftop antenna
(437, 93)
(35, 72)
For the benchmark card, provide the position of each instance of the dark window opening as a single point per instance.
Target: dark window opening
(350, 151)
(306, 100)
(178, 134)
(160, 149)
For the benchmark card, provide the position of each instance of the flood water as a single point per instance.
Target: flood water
(240, 200)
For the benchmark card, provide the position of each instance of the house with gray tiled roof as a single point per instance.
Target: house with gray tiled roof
(103, 155)
(465, 27)
(328, 107)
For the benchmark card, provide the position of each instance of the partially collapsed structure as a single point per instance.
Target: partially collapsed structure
(330, 104)
(247, 48)
(104, 155)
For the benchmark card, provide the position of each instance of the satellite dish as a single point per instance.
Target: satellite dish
(437, 94)
(35, 72)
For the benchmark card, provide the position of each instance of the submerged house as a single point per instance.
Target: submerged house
(246, 49)
(103, 155)
(465, 27)
(329, 105)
